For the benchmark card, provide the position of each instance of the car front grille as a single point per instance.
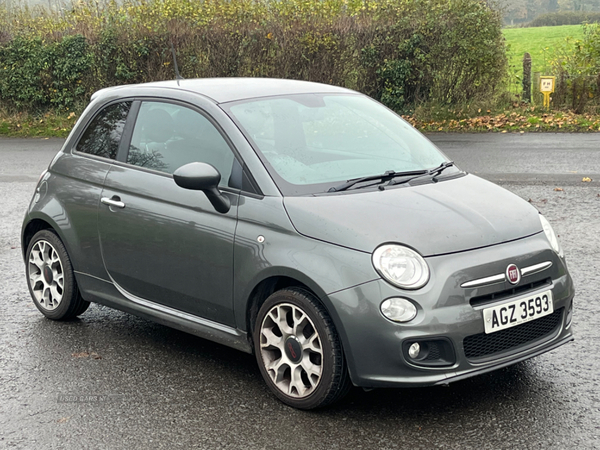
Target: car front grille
(479, 346)
(512, 292)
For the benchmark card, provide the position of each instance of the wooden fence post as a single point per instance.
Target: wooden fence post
(527, 78)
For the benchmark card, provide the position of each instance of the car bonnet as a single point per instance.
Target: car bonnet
(438, 218)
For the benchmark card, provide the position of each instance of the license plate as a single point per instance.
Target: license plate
(518, 311)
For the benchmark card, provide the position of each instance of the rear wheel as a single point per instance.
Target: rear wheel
(298, 350)
(51, 279)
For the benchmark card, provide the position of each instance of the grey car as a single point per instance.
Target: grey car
(304, 223)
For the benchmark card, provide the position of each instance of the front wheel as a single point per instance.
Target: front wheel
(298, 350)
(51, 279)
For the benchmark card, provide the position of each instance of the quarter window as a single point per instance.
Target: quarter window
(168, 136)
(103, 134)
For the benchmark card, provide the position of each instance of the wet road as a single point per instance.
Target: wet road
(111, 380)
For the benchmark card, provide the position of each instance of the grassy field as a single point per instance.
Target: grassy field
(537, 41)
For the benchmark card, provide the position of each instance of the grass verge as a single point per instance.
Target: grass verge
(28, 125)
(518, 118)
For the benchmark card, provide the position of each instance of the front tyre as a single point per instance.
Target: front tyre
(51, 279)
(299, 353)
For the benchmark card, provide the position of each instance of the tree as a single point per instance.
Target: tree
(515, 10)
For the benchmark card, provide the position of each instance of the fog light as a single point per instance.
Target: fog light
(398, 309)
(414, 350)
(425, 352)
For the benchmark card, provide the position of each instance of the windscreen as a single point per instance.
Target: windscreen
(310, 142)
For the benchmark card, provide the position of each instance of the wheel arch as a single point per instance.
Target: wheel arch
(262, 291)
(54, 215)
(34, 225)
(275, 282)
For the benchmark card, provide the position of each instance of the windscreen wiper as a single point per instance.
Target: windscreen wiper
(435, 172)
(439, 169)
(387, 176)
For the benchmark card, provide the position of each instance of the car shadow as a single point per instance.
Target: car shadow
(121, 339)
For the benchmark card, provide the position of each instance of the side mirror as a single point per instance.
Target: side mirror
(203, 177)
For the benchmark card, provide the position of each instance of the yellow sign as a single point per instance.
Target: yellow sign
(547, 88)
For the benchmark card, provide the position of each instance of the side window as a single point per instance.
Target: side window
(103, 134)
(167, 136)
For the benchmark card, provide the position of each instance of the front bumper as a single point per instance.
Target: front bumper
(375, 347)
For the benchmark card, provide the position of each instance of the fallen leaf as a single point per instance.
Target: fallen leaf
(63, 419)
(586, 179)
(559, 189)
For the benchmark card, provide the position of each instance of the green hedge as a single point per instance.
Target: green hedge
(403, 52)
(37, 73)
(564, 18)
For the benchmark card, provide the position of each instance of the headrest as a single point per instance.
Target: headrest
(158, 125)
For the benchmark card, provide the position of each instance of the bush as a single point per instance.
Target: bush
(403, 52)
(564, 18)
(577, 68)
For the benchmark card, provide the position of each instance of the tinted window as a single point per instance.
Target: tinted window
(102, 136)
(168, 136)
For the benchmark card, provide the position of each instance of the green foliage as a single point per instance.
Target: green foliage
(564, 18)
(576, 65)
(67, 62)
(403, 52)
(21, 76)
(402, 75)
(35, 73)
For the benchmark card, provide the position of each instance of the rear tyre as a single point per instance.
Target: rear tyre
(51, 279)
(298, 350)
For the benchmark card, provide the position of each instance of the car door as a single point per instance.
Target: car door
(82, 168)
(161, 243)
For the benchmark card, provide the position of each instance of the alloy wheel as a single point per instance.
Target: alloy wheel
(291, 350)
(46, 275)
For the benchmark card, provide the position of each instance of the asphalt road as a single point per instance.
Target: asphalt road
(111, 380)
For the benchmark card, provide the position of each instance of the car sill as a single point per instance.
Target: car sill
(189, 323)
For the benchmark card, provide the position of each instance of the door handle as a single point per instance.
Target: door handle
(115, 201)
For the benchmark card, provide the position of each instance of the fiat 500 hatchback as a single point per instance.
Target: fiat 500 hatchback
(302, 222)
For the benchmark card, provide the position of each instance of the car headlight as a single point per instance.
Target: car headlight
(401, 266)
(551, 235)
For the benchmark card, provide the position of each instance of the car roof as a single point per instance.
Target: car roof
(223, 90)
